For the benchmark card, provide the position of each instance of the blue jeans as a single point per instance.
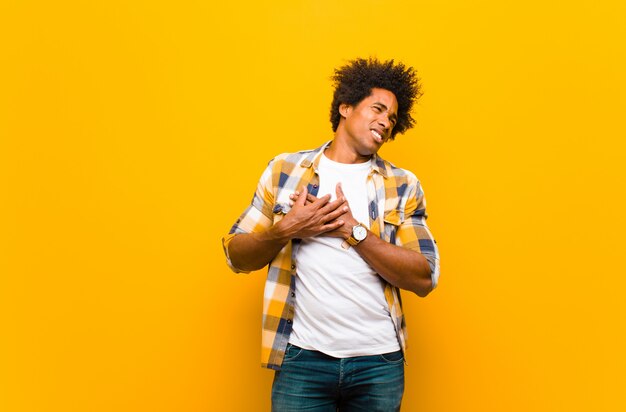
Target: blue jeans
(315, 382)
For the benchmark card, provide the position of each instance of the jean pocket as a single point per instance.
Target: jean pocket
(292, 352)
(392, 357)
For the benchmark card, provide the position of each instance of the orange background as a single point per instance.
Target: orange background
(132, 135)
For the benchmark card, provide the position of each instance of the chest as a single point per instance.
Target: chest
(354, 187)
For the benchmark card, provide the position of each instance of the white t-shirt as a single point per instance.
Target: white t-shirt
(340, 305)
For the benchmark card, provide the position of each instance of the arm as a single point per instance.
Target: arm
(252, 251)
(403, 267)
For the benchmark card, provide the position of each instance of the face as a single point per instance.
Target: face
(366, 126)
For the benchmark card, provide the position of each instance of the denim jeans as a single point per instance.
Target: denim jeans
(315, 382)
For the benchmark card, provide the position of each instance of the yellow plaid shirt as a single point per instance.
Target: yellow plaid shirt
(397, 212)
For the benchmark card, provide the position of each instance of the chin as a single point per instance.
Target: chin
(375, 147)
(369, 153)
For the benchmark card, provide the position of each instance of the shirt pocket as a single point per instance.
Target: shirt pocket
(392, 219)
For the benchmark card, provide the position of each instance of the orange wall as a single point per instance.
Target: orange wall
(132, 136)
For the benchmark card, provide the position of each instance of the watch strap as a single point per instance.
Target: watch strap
(352, 241)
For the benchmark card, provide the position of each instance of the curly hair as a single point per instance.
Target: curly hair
(355, 81)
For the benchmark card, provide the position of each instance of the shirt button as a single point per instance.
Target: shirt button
(293, 294)
(289, 321)
(314, 186)
(293, 266)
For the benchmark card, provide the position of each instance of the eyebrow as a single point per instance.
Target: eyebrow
(393, 116)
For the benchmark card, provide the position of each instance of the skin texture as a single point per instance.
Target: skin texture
(305, 219)
(355, 142)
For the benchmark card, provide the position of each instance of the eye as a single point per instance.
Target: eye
(377, 109)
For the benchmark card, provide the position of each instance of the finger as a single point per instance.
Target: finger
(321, 201)
(339, 190)
(302, 199)
(309, 198)
(334, 205)
(335, 214)
(332, 225)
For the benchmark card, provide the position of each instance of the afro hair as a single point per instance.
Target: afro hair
(355, 81)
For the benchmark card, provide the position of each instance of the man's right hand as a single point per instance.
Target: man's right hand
(310, 216)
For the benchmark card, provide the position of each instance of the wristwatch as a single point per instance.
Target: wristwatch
(359, 232)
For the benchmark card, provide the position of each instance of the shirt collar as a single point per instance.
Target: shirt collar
(313, 159)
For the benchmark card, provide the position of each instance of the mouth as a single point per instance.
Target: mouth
(378, 136)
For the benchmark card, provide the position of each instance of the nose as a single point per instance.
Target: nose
(383, 121)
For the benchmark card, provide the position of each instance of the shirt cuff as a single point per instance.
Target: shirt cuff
(225, 242)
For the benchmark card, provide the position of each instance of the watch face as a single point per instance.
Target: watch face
(359, 233)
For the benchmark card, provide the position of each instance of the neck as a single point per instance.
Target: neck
(340, 152)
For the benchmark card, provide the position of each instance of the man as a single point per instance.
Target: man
(342, 230)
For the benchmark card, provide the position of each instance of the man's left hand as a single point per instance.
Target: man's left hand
(404, 268)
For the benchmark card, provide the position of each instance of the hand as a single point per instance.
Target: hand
(295, 195)
(343, 231)
(311, 216)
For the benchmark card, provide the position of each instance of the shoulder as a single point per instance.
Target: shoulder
(403, 187)
(294, 157)
(397, 174)
(289, 160)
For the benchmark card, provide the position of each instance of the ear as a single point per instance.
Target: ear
(344, 109)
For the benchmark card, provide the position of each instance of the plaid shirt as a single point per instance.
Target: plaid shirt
(397, 212)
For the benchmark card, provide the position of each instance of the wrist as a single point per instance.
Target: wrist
(276, 233)
(346, 229)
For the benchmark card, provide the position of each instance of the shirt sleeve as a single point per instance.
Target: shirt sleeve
(258, 215)
(414, 234)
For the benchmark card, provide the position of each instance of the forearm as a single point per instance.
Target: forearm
(404, 268)
(253, 251)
